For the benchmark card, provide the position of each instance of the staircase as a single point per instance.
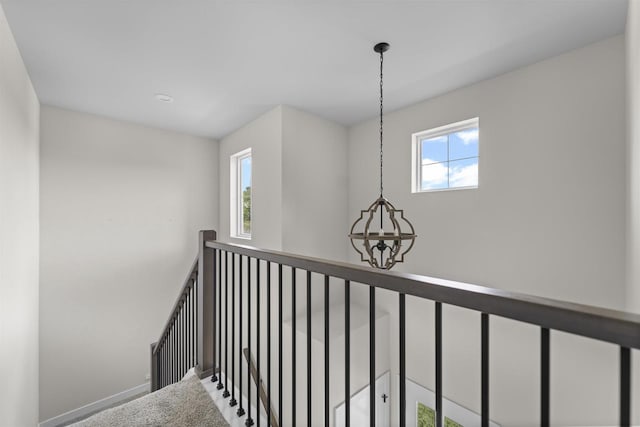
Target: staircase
(233, 308)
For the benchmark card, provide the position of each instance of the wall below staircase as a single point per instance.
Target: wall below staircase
(121, 206)
(19, 145)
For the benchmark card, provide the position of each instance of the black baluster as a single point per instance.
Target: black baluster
(545, 383)
(258, 343)
(485, 370)
(219, 379)
(280, 414)
(326, 351)
(187, 334)
(240, 412)
(175, 347)
(190, 326)
(372, 356)
(216, 268)
(226, 326)
(176, 327)
(187, 325)
(180, 342)
(195, 317)
(293, 346)
(268, 344)
(233, 401)
(403, 366)
(183, 359)
(347, 353)
(438, 334)
(189, 330)
(249, 420)
(178, 346)
(180, 338)
(625, 387)
(183, 316)
(308, 349)
(194, 336)
(185, 322)
(176, 335)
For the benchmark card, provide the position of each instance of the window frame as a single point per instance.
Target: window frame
(416, 153)
(236, 199)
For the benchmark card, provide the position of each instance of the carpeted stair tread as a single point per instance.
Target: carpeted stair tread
(184, 404)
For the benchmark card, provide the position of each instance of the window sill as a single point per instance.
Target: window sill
(440, 190)
(241, 237)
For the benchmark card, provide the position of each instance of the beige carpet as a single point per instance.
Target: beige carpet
(184, 404)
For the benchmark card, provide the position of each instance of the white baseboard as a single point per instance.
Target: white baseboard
(95, 406)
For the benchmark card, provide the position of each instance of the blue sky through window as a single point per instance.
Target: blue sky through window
(450, 161)
(245, 173)
(244, 202)
(434, 150)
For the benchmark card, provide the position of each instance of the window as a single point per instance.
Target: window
(241, 194)
(446, 157)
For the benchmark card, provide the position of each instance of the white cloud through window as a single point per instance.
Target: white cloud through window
(468, 136)
(439, 175)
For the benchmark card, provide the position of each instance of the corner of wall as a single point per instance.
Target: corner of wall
(314, 192)
(19, 228)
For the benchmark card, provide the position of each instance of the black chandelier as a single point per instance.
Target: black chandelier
(385, 246)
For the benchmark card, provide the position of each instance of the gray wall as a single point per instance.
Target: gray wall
(121, 206)
(264, 136)
(633, 173)
(548, 219)
(299, 186)
(314, 185)
(299, 192)
(633, 165)
(19, 145)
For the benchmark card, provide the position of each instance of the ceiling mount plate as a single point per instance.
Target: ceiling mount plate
(381, 47)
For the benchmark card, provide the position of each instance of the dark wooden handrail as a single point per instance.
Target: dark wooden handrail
(603, 324)
(186, 287)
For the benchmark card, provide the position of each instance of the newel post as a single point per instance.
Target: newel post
(154, 368)
(206, 307)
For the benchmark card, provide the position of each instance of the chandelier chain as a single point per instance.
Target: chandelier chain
(381, 122)
(384, 248)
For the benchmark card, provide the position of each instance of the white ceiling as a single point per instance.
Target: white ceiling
(225, 62)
